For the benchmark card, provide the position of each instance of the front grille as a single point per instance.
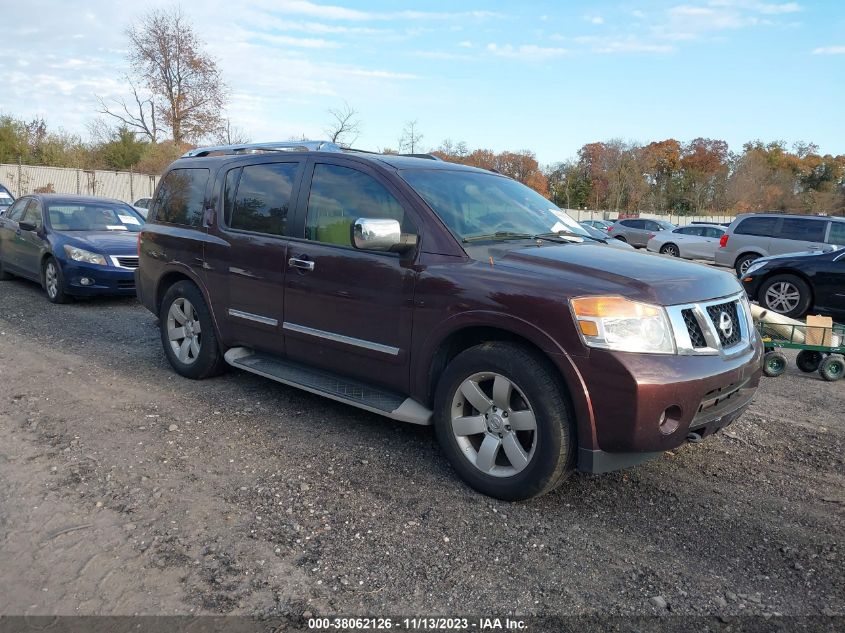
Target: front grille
(126, 284)
(127, 261)
(731, 334)
(694, 329)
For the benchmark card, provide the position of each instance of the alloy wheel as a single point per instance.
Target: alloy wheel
(184, 331)
(782, 297)
(494, 424)
(51, 280)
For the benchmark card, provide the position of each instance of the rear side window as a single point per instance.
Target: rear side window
(339, 196)
(837, 233)
(764, 226)
(181, 197)
(802, 229)
(632, 224)
(712, 231)
(257, 197)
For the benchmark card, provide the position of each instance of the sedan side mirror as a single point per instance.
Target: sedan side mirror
(377, 234)
(26, 226)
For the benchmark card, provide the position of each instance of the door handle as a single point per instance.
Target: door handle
(302, 264)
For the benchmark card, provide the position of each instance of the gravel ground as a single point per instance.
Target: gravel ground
(127, 489)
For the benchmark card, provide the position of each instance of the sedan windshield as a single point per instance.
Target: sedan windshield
(93, 216)
(477, 206)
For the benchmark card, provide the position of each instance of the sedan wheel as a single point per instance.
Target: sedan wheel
(670, 249)
(782, 297)
(53, 282)
(786, 294)
(494, 424)
(184, 331)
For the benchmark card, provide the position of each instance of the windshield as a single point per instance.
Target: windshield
(91, 216)
(474, 205)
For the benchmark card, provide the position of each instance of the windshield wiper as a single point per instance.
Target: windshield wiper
(499, 235)
(550, 234)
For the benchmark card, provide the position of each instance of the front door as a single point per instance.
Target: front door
(29, 243)
(9, 234)
(246, 263)
(349, 310)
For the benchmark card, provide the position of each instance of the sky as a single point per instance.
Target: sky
(548, 76)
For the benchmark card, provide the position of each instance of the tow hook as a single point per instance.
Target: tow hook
(694, 438)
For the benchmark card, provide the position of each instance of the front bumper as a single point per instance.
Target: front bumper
(631, 394)
(752, 285)
(107, 280)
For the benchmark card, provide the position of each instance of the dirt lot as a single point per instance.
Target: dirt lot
(127, 489)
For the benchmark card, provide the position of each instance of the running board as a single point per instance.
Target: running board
(325, 383)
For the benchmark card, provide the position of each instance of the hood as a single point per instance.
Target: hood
(594, 269)
(796, 255)
(103, 242)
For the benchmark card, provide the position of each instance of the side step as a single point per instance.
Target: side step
(324, 383)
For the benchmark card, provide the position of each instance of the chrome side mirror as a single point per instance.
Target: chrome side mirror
(377, 234)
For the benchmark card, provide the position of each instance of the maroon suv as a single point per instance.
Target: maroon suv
(435, 293)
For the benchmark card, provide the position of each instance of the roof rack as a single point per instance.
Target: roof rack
(250, 148)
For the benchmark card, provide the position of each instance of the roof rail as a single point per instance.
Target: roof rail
(427, 156)
(249, 148)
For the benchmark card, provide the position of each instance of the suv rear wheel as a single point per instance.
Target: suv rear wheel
(744, 262)
(503, 421)
(187, 333)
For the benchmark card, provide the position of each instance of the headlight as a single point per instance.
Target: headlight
(81, 255)
(624, 325)
(753, 267)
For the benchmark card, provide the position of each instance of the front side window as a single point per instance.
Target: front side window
(476, 204)
(837, 233)
(257, 197)
(764, 226)
(33, 214)
(181, 197)
(93, 216)
(802, 229)
(341, 195)
(17, 209)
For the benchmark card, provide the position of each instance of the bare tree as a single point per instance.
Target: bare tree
(140, 115)
(186, 90)
(344, 127)
(411, 137)
(229, 134)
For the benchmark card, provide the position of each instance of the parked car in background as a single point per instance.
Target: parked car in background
(696, 241)
(798, 283)
(143, 203)
(437, 293)
(754, 235)
(142, 211)
(638, 231)
(601, 225)
(6, 199)
(71, 245)
(606, 239)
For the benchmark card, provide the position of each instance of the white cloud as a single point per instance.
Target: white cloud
(628, 44)
(525, 51)
(829, 50)
(594, 19)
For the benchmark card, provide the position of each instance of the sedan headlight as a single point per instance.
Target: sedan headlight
(81, 255)
(621, 324)
(753, 267)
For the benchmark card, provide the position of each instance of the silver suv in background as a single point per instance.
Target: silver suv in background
(754, 235)
(638, 231)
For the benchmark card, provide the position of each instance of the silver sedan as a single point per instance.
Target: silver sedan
(695, 241)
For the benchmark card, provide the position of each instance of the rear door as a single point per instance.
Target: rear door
(349, 310)
(247, 259)
(795, 234)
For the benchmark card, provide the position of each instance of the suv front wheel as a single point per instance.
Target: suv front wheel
(187, 333)
(504, 421)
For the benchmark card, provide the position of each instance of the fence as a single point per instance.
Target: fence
(586, 214)
(121, 185)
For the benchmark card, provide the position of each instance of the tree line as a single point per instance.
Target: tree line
(176, 99)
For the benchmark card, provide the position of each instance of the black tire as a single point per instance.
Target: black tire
(774, 364)
(832, 368)
(670, 249)
(742, 264)
(209, 360)
(621, 238)
(4, 276)
(808, 361)
(552, 456)
(791, 284)
(50, 271)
